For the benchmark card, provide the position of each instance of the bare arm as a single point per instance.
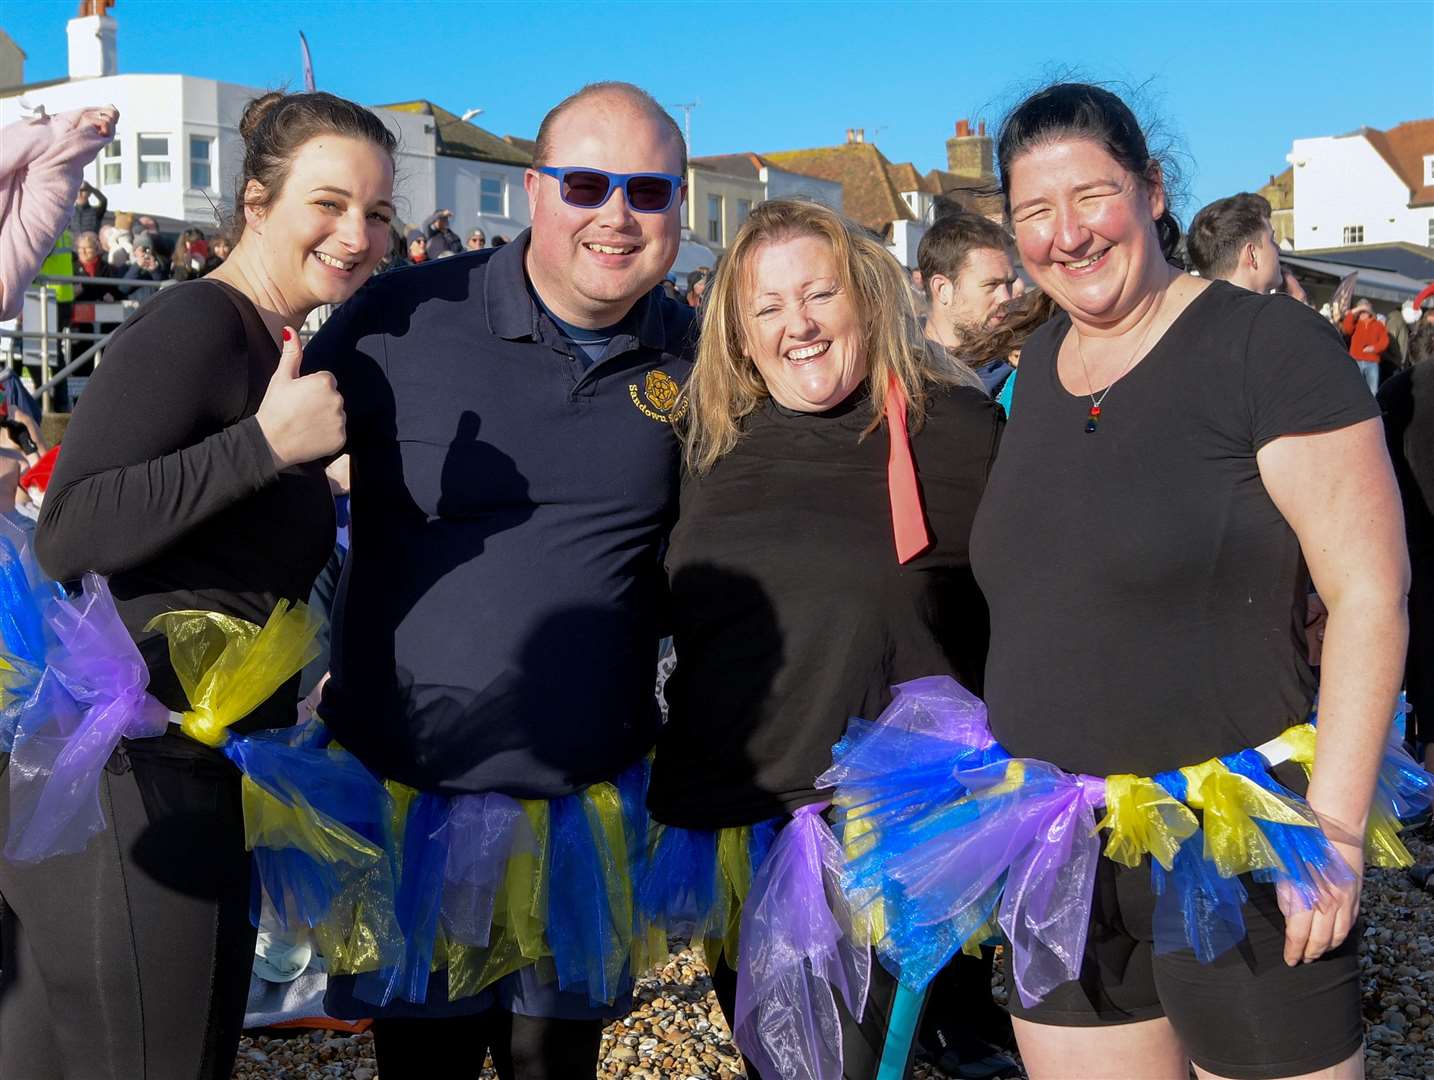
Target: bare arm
(1337, 491)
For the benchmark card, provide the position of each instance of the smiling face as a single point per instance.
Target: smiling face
(1085, 228)
(591, 266)
(801, 325)
(321, 238)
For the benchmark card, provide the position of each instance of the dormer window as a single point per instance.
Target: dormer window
(1429, 168)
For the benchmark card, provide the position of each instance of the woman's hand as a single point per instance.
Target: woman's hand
(103, 119)
(301, 416)
(1312, 932)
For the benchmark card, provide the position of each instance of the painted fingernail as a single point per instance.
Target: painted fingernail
(288, 334)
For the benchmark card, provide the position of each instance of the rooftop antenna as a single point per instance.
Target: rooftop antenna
(687, 107)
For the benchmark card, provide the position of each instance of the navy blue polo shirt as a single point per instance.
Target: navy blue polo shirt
(497, 621)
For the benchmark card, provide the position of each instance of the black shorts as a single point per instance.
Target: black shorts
(1244, 1015)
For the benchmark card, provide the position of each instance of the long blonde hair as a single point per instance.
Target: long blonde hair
(725, 385)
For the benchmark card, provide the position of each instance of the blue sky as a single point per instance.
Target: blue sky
(1234, 83)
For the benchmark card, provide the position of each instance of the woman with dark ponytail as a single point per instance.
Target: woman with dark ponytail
(1186, 457)
(192, 476)
(1145, 803)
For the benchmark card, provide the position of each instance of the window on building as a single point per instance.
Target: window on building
(201, 162)
(1354, 234)
(714, 219)
(111, 165)
(744, 210)
(1429, 168)
(1431, 232)
(490, 196)
(154, 159)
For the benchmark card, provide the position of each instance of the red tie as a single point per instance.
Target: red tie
(908, 521)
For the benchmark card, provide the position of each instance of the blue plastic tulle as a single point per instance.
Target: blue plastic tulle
(318, 825)
(679, 889)
(589, 939)
(1406, 789)
(1309, 864)
(24, 638)
(1195, 907)
(423, 859)
(1026, 834)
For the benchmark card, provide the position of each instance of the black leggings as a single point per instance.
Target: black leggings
(142, 942)
(453, 1047)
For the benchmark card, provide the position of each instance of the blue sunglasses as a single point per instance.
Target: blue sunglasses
(647, 193)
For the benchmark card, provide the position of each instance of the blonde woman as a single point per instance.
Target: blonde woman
(834, 468)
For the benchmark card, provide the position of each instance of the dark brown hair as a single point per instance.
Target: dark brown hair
(276, 124)
(1084, 111)
(1221, 229)
(947, 244)
(635, 95)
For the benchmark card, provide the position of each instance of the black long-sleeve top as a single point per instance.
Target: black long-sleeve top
(791, 614)
(166, 484)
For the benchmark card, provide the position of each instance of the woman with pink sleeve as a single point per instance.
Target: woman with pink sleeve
(41, 161)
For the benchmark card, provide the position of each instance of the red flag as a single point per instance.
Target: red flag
(308, 63)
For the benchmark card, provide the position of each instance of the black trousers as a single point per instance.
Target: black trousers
(863, 1039)
(453, 1047)
(131, 960)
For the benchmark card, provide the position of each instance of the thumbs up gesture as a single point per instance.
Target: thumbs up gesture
(301, 416)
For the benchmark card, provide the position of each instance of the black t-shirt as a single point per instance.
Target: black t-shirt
(166, 484)
(790, 612)
(1147, 598)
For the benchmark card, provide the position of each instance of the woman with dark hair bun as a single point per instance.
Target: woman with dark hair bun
(192, 476)
(1186, 458)
(1187, 455)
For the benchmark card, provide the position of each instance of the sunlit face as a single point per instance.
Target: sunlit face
(219, 248)
(975, 299)
(417, 248)
(87, 249)
(591, 265)
(1085, 228)
(328, 228)
(801, 326)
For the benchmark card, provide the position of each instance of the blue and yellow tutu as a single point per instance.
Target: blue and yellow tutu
(953, 834)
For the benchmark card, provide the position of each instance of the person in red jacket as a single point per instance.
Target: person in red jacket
(1367, 340)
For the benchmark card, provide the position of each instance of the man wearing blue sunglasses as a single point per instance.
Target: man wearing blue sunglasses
(515, 474)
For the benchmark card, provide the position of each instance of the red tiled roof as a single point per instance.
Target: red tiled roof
(1403, 147)
(869, 194)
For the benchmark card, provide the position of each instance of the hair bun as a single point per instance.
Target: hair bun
(256, 110)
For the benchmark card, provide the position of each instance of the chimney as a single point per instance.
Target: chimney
(851, 135)
(971, 156)
(861, 134)
(92, 42)
(855, 135)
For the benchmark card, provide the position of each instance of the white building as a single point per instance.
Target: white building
(1366, 187)
(178, 152)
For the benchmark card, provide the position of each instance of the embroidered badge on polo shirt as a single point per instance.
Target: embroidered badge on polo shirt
(658, 397)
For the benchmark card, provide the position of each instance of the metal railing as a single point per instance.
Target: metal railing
(57, 344)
